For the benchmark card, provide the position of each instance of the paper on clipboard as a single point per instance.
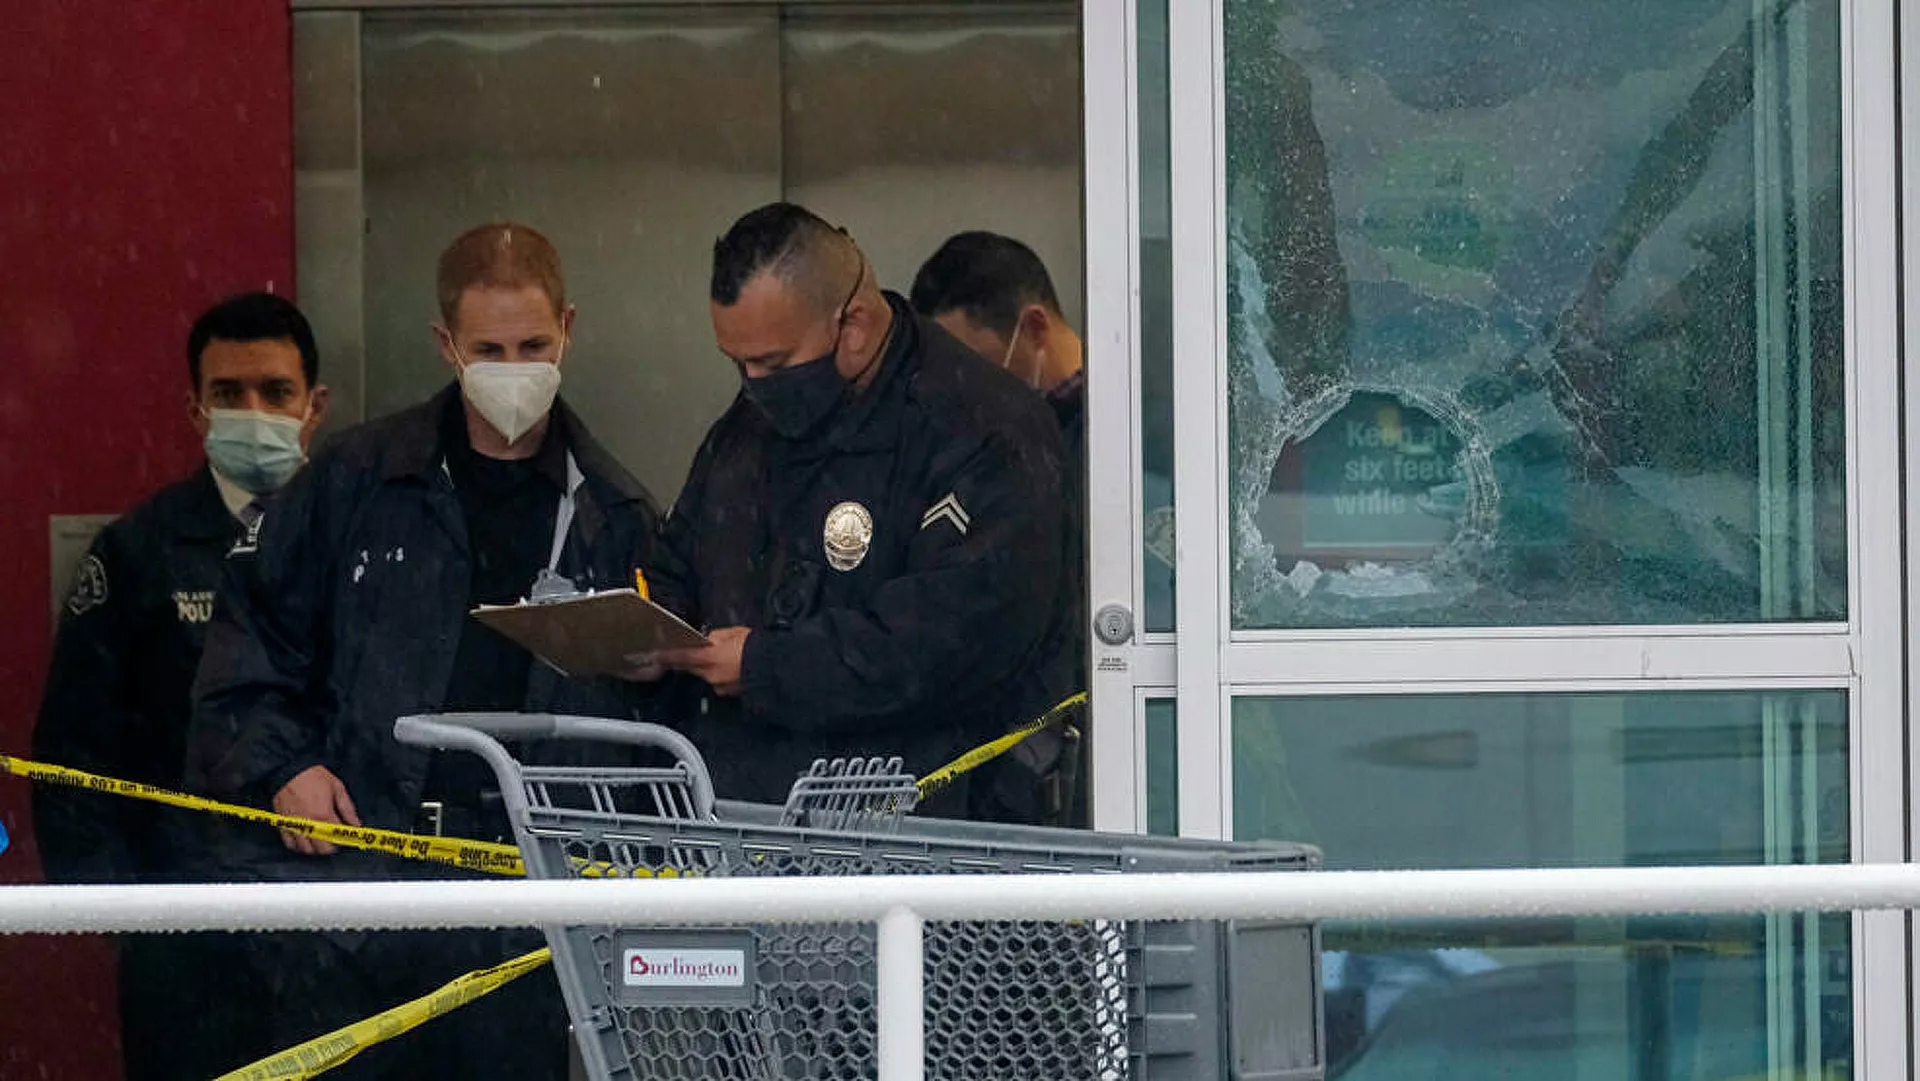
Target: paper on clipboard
(592, 634)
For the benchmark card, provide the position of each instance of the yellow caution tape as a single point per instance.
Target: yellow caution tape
(987, 752)
(323, 1053)
(487, 856)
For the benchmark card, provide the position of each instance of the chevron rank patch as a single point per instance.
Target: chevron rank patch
(949, 510)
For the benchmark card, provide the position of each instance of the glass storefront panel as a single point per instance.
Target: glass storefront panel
(1555, 780)
(1156, 316)
(1534, 312)
(1163, 767)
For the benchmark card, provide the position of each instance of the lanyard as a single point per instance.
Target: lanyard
(562, 517)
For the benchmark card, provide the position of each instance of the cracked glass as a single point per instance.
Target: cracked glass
(1534, 312)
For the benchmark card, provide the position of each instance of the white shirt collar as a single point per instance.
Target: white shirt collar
(235, 497)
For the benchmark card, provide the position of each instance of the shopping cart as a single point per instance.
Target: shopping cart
(1113, 1000)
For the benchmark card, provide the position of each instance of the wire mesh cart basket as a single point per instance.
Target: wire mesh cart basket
(1102, 1000)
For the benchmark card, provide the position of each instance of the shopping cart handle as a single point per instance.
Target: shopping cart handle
(481, 733)
(425, 729)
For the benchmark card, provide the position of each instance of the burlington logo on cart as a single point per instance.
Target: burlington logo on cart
(686, 968)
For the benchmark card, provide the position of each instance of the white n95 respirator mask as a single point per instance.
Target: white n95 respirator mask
(511, 395)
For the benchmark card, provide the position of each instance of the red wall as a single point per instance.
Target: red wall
(145, 171)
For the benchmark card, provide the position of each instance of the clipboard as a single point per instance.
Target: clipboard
(591, 634)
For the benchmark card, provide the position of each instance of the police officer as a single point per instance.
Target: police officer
(354, 611)
(872, 529)
(118, 697)
(994, 294)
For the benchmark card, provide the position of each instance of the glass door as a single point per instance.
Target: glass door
(1130, 375)
(1531, 387)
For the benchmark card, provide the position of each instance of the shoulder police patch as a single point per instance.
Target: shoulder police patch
(89, 586)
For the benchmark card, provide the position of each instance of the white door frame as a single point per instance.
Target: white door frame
(1208, 663)
(1115, 500)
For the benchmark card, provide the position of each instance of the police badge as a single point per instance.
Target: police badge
(849, 533)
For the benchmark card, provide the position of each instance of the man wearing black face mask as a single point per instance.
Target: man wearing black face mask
(873, 527)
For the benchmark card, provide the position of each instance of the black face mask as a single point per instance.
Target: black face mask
(799, 399)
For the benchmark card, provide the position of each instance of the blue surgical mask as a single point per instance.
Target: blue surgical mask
(257, 451)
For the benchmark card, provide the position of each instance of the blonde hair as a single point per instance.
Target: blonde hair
(502, 255)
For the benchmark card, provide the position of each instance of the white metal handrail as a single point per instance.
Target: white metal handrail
(900, 904)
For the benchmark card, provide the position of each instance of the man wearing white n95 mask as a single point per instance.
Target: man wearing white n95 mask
(507, 357)
(354, 611)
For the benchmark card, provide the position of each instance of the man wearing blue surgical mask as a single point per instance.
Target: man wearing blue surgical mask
(256, 401)
(118, 698)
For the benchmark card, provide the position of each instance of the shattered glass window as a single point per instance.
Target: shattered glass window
(1534, 312)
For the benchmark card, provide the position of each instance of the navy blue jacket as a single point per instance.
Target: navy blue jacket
(118, 697)
(349, 613)
(950, 628)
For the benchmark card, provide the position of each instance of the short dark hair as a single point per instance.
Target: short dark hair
(797, 245)
(253, 317)
(987, 276)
